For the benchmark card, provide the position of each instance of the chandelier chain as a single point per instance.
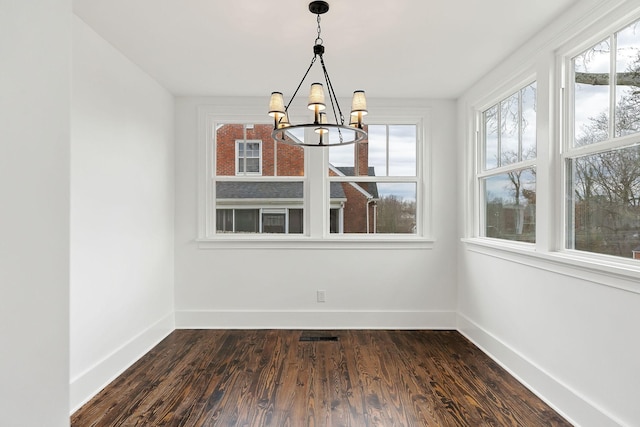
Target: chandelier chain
(319, 39)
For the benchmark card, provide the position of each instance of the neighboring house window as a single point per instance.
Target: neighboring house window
(248, 157)
(259, 220)
(601, 156)
(507, 167)
(374, 185)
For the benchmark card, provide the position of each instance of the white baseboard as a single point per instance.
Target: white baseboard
(561, 398)
(247, 319)
(88, 384)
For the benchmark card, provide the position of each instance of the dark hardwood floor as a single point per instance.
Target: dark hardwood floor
(272, 378)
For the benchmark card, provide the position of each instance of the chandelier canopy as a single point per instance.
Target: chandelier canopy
(327, 132)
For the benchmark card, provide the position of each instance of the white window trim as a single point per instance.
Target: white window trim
(479, 172)
(566, 146)
(421, 179)
(251, 111)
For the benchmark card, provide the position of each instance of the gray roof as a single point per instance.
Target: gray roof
(351, 171)
(268, 190)
(369, 187)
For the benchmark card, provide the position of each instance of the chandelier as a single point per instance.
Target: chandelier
(348, 133)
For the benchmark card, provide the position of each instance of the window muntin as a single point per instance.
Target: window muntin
(507, 176)
(385, 202)
(602, 161)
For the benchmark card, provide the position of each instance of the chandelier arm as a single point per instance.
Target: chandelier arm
(333, 99)
(286, 109)
(332, 93)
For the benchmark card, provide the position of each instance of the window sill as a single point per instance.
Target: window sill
(303, 242)
(622, 274)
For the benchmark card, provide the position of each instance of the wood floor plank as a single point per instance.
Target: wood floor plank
(271, 378)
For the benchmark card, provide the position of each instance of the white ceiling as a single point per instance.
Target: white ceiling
(390, 48)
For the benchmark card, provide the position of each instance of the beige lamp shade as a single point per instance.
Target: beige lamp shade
(316, 97)
(359, 103)
(283, 122)
(323, 120)
(276, 105)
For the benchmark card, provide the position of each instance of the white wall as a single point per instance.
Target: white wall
(122, 204)
(276, 287)
(35, 76)
(565, 329)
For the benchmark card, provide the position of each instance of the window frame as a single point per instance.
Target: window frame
(316, 233)
(567, 149)
(481, 173)
(419, 181)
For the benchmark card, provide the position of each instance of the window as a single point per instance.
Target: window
(248, 159)
(254, 187)
(377, 182)
(259, 220)
(602, 153)
(265, 193)
(507, 167)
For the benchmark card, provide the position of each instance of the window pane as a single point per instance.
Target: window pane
(491, 137)
(224, 220)
(253, 149)
(273, 223)
(604, 196)
(591, 96)
(289, 159)
(628, 70)
(510, 201)
(374, 207)
(342, 156)
(334, 221)
(246, 220)
(296, 221)
(249, 198)
(390, 150)
(402, 150)
(253, 165)
(509, 130)
(528, 123)
(396, 208)
(256, 147)
(260, 192)
(378, 148)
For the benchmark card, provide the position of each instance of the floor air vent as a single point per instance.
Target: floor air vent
(318, 338)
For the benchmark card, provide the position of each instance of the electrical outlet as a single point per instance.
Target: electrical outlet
(321, 295)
